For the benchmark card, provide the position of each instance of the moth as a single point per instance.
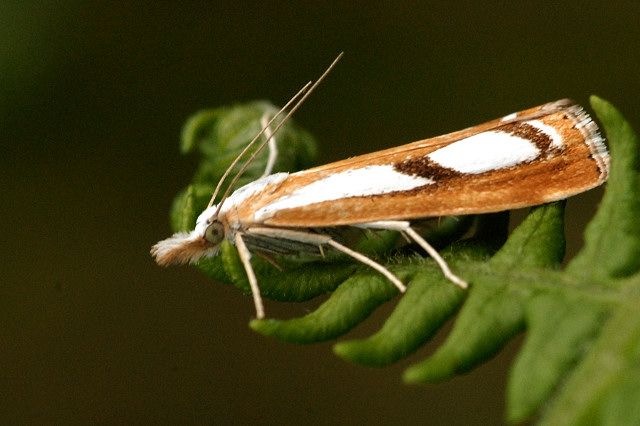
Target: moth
(527, 158)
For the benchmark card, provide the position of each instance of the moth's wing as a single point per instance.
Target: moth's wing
(425, 146)
(532, 157)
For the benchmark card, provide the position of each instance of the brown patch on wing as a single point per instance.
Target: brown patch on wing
(530, 133)
(425, 167)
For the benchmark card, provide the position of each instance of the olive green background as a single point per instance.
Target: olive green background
(92, 99)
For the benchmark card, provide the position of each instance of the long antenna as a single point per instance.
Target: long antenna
(284, 120)
(246, 148)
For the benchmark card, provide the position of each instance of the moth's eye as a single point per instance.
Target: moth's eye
(214, 233)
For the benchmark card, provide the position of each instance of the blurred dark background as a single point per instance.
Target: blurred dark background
(92, 99)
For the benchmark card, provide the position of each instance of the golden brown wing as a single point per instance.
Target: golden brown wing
(423, 147)
(536, 156)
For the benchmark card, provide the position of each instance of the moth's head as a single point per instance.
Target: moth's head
(189, 247)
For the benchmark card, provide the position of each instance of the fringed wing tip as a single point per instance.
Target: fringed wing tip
(181, 248)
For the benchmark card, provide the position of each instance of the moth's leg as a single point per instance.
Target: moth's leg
(375, 265)
(269, 259)
(436, 256)
(245, 257)
(405, 227)
(273, 146)
(320, 239)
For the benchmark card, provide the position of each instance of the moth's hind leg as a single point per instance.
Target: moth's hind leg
(272, 144)
(406, 229)
(320, 240)
(373, 264)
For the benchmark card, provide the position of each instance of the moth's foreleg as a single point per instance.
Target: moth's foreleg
(245, 257)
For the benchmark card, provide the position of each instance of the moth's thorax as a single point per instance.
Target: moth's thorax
(236, 212)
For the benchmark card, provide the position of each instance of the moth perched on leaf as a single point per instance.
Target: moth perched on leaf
(532, 157)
